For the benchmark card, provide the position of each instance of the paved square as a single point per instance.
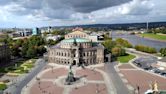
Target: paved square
(93, 80)
(141, 78)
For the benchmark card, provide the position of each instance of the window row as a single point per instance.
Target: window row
(67, 54)
(76, 36)
(67, 61)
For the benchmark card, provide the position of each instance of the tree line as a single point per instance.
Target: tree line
(163, 52)
(144, 48)
(32, 47)
(116, 48)
(158, 30)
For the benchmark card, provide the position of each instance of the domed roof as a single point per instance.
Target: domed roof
(71, 40)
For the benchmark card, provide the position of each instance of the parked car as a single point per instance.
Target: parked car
(157, 71)
(163, 73)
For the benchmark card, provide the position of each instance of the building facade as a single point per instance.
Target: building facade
(76, 49)
(36, 31)
(21, 33)
(4, 54)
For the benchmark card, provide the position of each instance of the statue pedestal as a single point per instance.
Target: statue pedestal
(70, 78)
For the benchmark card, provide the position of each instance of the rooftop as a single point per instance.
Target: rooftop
(76, 39)
(76, 32)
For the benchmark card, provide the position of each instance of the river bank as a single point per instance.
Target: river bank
(153, 37)
(137, 40)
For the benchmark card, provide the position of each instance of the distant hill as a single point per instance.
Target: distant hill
(117, 26)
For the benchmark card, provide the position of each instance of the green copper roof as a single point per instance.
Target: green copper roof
(76, 39)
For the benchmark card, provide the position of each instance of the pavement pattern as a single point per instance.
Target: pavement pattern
(137, 77)
(93, 80)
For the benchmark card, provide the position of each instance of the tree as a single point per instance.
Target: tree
(24, 49)
(118, 51)
(31, 53)
(109, 44)
(41, 49)
(51, 42)
(163, 51)
(144, 48)
(106, 37)
(123, 42)
(115, 51)
(15, 50)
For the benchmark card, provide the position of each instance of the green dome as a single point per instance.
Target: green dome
(76, 39)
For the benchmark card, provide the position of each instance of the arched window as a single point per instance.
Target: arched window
(84, 53)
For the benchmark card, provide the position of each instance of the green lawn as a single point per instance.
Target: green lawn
(125, 59)
(3, 86)
(154, 36)
(21, 68)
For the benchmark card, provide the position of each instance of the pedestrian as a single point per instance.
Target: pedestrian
(138, 88)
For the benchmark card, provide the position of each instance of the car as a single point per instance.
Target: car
(148, 68)
(163, 73)
(153, 69)
(157, 71)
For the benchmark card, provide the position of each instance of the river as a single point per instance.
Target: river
(135, 40)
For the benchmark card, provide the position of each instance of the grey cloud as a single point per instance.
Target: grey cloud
(60, 8)
(31, 4)
(140, 11)
(61, 13)
(140, 7)
(79, 9)
(4, 2)
(87, 6)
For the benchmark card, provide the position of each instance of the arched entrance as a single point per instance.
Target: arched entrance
(74, 62)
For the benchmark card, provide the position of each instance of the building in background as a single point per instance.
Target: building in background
(4, 54)
(77, 48)
(2, 35)
(36, 31)
(53, 37)
(46, 30)
(21, 33)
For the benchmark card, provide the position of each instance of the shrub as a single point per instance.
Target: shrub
(144, 48)
(123, 43)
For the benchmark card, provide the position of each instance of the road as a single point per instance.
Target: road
(139, 53)
(117, 82)
(25, 79)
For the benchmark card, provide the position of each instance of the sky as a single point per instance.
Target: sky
(38, 13)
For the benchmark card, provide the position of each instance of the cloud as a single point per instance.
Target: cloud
(57, 9)
(81, 11)
(132, 8)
